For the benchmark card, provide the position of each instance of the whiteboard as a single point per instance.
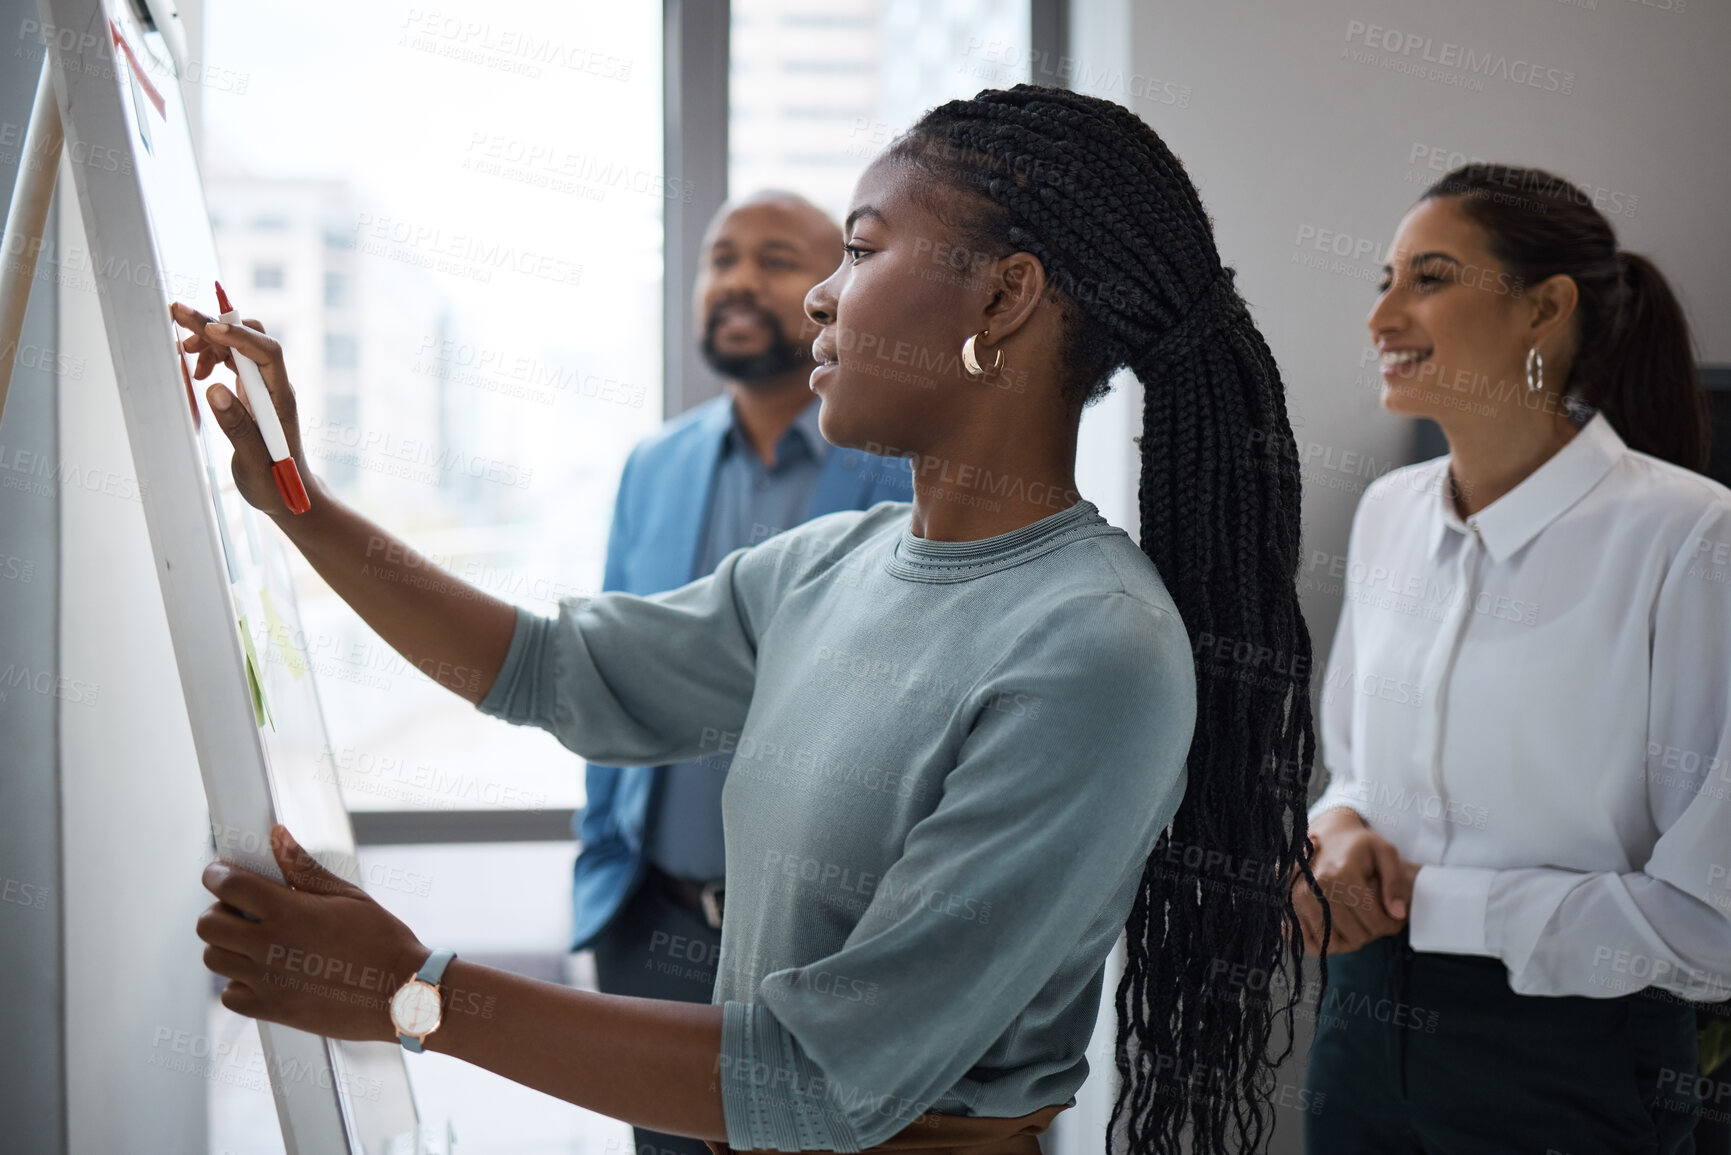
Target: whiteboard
(249, 689)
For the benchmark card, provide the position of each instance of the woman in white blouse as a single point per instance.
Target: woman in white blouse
(1525, 842)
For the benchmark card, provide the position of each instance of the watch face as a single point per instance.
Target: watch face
(415, 1008)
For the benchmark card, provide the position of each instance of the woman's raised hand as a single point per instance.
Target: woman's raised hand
(215, 344)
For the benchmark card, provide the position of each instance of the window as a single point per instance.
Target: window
(830, 67)
(858, 21)
(498, 261)
(816, 90)
(341, 351)
(267, 276)
(496, 253)
(340, 412)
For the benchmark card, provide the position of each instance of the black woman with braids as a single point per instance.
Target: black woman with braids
(975, 737)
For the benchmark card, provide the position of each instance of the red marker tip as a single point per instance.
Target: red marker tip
(288, 483)
(222, 299)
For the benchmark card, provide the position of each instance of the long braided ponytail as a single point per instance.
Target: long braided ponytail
(1091, 190)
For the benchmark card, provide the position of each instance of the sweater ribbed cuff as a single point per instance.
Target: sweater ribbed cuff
(772, 1095)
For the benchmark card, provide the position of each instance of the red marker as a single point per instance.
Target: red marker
(258, 400)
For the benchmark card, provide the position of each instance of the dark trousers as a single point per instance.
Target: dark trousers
(657, 949)
(1434, 1054)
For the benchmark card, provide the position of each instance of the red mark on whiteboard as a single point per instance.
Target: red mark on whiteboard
(138, 73)
(191, 397)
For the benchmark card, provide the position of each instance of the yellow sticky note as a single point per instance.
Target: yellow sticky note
(280, 636)
(260, 708)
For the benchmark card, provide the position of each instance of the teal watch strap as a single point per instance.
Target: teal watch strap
(434, 968)
(430, 973)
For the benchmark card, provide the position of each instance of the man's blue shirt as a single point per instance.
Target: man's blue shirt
(748, 501)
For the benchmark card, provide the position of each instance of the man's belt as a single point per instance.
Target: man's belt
(702, 898)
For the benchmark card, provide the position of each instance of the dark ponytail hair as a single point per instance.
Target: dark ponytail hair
(1634, 359)
(1089, 189)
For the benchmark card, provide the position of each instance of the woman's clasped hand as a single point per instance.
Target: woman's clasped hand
(1366, 883)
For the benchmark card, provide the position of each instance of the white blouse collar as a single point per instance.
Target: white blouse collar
(1515, 518)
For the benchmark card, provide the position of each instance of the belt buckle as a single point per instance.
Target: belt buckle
(711, 900)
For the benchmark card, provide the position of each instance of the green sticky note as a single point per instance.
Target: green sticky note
(260, 708)
(280, 636)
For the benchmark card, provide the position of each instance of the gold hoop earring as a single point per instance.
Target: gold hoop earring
(1535, 384)
(972, 363)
